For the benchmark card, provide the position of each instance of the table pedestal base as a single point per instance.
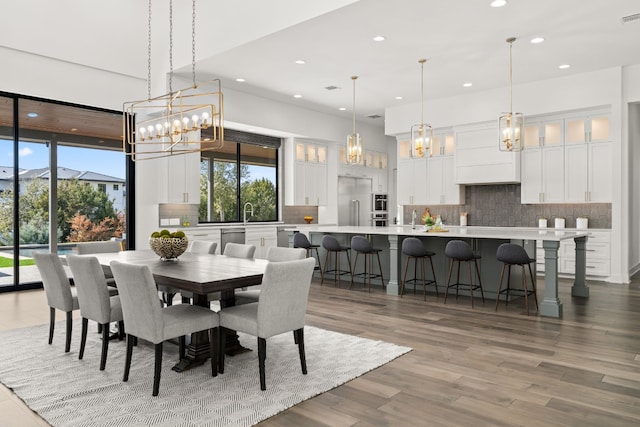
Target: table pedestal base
(197, 351)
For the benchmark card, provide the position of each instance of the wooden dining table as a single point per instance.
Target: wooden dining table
(200, 274)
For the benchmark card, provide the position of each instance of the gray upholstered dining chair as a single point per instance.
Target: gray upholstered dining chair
(202, 247)
(95, 302)
(107, 246)
(281, 308)
(146, 319)
(239, 250)
(60, 294)
(274, 254)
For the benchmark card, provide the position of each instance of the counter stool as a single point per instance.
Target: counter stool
(413, 248)
(362, 246)
(459, 250)
(301, 241)
(331, 245)
(511, 254)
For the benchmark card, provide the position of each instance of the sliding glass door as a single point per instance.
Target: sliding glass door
(65, 183)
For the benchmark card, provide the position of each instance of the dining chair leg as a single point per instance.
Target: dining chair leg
(157, 369)
(470, 283)
(83, 337)
(222, 332)
(121, 331)
(404, 278)
(533, 286)
(524, 286)
(326, 262)
(67, 344)
(52, 322)
(105, 346)
(424, 281)
(262, 355)
(355, 263)
(303, 360)
(213, 350)
(127, 360)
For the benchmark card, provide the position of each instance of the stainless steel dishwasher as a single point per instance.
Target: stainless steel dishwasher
(233, 235)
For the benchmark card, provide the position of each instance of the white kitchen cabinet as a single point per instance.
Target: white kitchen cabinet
(588, 173)
(310, 174)
(590, 128)
(412, 181)
(183, 178)
(542, 163)
(478, 159)
(441, 186)
(262, 238)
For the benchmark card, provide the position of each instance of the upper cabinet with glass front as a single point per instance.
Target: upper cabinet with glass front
(588, 129)
(310, 152)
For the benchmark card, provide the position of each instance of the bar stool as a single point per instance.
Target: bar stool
(301, 241)
(511, 254)
(459, 250)
(362, 246)
(331, 245)
(413, 248)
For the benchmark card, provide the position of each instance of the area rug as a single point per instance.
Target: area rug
(69, 392)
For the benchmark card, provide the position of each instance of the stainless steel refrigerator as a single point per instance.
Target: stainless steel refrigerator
(354, 201)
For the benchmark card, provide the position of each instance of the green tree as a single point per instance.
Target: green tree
(73, 197)
(261, 193)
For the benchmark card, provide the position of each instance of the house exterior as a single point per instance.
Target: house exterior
(114, 187)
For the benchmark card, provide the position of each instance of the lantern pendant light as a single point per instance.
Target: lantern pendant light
(421, 134)
(510, 125)
(354, 142)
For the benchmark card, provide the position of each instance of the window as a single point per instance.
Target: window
(244, 171)
(102, 188)
(115, 187)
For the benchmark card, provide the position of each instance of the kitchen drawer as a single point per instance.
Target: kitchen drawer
(594, 267)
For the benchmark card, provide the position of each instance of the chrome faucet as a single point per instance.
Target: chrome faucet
(245, 211)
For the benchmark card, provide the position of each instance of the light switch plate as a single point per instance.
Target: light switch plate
(174, 221)
(164, 222)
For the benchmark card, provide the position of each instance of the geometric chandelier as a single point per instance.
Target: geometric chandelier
(171, 124)
(510, 124)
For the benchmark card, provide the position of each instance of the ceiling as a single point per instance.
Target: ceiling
(463, 41)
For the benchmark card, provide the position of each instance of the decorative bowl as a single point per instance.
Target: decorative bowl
(168, 248)
(308, 219)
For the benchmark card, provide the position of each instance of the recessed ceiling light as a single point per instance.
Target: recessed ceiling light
(240, 80)
(399, 97)
(342, 109)
(467, 84)
(74, 129)
(297, 95)
(537, 40)
(498, 3)
(32, 115)
(301, 61)
(379, 38)
(564, 66)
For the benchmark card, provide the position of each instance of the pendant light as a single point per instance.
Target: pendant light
(421, 134)
(354, 143)
(510, 125)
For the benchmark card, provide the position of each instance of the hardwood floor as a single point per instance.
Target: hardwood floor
(468, 366)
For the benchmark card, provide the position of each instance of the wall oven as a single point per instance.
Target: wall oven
(378, 202)
(379, 219)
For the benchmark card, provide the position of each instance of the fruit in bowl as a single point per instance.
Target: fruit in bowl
(168, 246)
(308, 219)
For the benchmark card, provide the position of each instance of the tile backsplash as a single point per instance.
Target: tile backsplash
(499, 205)
(295, 214)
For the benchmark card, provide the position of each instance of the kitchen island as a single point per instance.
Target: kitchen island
(484, 240)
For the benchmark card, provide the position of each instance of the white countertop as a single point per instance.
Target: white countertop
(519, 233)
